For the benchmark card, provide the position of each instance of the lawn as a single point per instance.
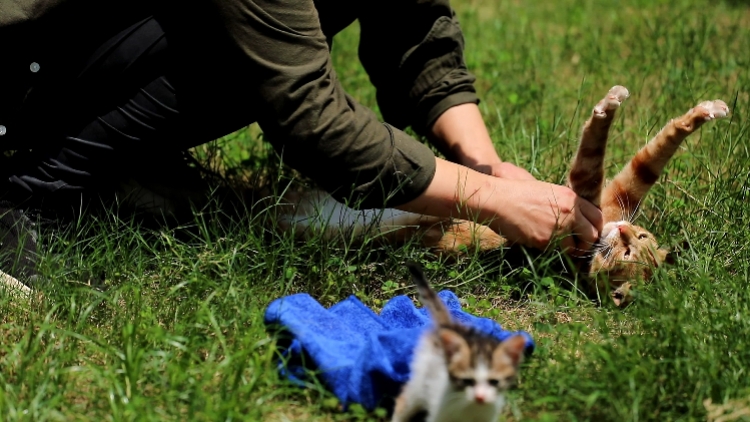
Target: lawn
(178, 332)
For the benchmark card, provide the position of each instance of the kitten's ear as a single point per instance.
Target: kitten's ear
(670, 255)
(513, 348)
(666, 256)
(451, 341)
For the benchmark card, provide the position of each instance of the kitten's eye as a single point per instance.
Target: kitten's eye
(467, 382)
(642, 236)
(627, 253)
(493, 383)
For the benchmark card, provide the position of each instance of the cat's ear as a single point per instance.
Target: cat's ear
(513, 348)
(666, 256)
(670, 255)
(451, 341)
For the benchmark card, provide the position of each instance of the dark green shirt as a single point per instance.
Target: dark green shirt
(411, 49)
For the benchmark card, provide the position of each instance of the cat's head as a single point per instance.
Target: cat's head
(626, 253)
(480, 368)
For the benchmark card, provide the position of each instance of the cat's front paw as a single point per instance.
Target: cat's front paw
(616, 95)
(715, 109)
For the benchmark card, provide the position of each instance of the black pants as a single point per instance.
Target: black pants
(135, 99)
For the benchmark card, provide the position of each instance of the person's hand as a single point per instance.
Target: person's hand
(534, 213)
(504, 170)
(528, 212)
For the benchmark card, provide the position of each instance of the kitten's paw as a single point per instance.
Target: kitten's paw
(611, 101)
(715, 109)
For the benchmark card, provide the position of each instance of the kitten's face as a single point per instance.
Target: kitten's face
(482, 371)
(627, 253)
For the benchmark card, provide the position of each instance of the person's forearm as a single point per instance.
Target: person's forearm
(525, 211)
(461, 135)
(455, 191)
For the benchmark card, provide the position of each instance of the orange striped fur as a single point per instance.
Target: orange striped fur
(627, 253)
(626, 191)
(586, 176)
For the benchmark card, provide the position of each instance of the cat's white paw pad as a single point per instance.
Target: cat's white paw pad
(713, 109)
(616, 95)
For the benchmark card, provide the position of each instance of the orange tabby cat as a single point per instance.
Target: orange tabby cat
(625, 253)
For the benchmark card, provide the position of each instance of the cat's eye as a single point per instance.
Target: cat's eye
(627, 253)
(642, 236)
(467, 382)
(493, 382)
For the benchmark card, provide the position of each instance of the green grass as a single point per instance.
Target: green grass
(178, 333)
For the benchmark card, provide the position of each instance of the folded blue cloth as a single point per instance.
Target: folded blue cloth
(361, 356)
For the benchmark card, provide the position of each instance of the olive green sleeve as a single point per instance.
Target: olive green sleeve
(305, 113)
(413, 53)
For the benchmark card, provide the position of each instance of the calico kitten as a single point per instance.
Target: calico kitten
(457, 373)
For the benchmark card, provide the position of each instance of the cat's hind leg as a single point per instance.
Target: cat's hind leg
(586, 176)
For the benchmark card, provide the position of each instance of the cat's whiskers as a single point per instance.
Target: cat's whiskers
(591, 244)
(609, 248)
(623, 208)
(587, 256)
(636, 210)
(596, 247)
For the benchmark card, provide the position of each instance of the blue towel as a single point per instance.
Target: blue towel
(360, 356)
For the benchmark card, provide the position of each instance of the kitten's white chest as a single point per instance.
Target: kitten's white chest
(463, 411)
(431, 386)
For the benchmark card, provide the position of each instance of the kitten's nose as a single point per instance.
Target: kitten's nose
(479, 397)
(625, 233)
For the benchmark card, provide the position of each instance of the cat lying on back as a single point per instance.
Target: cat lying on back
(625, 253)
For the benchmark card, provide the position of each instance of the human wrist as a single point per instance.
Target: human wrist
(459, 192)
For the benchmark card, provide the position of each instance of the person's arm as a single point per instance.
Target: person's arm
(460, 133)
(423, 82)
(528, 212)
(343, 147)
(305, 113)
